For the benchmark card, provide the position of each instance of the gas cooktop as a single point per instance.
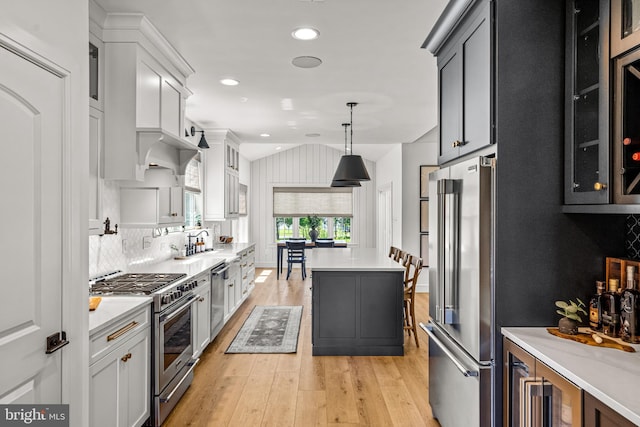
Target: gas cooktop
(135, 283)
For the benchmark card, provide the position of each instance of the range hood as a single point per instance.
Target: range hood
(161, 148)
(144, 100)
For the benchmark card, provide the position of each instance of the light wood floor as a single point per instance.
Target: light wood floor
(300, 389)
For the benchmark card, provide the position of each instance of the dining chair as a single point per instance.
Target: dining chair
(414, 266)
(296, 255)
(324, 243)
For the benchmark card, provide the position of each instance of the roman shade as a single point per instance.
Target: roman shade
(319, 201)
(192, 176)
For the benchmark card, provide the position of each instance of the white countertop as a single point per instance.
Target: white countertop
(350, 259)
(610, 375)
(113, 307)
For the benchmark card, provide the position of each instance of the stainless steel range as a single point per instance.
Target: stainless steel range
(172, 335)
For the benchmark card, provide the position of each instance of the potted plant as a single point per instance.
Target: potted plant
(314, 223)
(569, 310)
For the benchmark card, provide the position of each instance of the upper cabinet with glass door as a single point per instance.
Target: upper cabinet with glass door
(587, 103)
(625, 26)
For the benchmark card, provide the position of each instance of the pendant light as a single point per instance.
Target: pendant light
(351, 167)
(353, 183)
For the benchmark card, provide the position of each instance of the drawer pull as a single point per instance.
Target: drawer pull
(126, 357)
(117, 334)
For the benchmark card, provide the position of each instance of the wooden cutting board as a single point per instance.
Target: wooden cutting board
(586, 338)
(94, 302)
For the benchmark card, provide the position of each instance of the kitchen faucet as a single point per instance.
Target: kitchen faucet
(191, 248)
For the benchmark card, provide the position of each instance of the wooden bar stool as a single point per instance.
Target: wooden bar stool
(413, 267)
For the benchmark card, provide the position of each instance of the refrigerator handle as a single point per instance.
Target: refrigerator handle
(448, 249)
(466, 372)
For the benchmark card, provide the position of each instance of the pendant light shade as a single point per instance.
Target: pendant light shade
(350, 183)
(351, 166)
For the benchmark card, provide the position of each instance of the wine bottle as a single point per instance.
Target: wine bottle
(595, 307)
(635, 156)
(630, 309)
(631, 141)
(611, 309)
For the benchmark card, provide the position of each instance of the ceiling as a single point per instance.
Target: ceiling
(370, 52)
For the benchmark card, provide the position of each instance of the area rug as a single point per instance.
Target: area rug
(269, 329)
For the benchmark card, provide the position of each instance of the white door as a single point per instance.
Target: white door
(385, 219)
(31, 136)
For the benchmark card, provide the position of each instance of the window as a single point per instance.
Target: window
(292, 207)
(192, 195)
(338, 228)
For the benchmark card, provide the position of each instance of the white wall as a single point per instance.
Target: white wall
(389, 173)
(422, 152)
(308, 164)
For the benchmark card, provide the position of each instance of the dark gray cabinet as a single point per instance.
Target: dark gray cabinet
(587, 176)
(625, 26)
(527, 110)
(464, 69)
(357, 313)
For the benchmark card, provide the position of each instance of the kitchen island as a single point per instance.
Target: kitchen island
(356, 304)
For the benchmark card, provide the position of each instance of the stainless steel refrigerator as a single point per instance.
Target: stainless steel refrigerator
(460, 286)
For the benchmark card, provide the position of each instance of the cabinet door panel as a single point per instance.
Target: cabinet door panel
(95, 171)
(139, 206)
(597, 414)
(170, 109)
(138, 380)
(450, 106)
(148, 97)
(104, 392)
(477, 83)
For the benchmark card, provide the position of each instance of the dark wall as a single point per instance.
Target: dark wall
(541, 254)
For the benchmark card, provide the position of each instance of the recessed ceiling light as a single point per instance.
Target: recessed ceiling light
(305, 33)
(312, 135)
(265, 135)
(229, 82)
(306, 61)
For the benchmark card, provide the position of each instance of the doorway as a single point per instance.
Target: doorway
(385, 217)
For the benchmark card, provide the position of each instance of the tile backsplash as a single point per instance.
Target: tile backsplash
(131, 246)
(632, 240)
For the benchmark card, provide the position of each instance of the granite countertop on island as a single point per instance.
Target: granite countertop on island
(350, 259)
(610, 375)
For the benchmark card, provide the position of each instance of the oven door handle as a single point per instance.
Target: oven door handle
(190, 300)
(170, 395)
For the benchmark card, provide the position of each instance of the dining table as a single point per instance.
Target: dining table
(282, 245)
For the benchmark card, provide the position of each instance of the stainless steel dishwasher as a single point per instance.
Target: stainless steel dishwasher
(218, 274)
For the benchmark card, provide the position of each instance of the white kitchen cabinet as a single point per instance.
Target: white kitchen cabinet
(151, 207)
(202, 316)
(232, 289)
(248, 270)
(96, 132)
(96, 72)
(145, 96)
(221, 176)
(120, 380)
